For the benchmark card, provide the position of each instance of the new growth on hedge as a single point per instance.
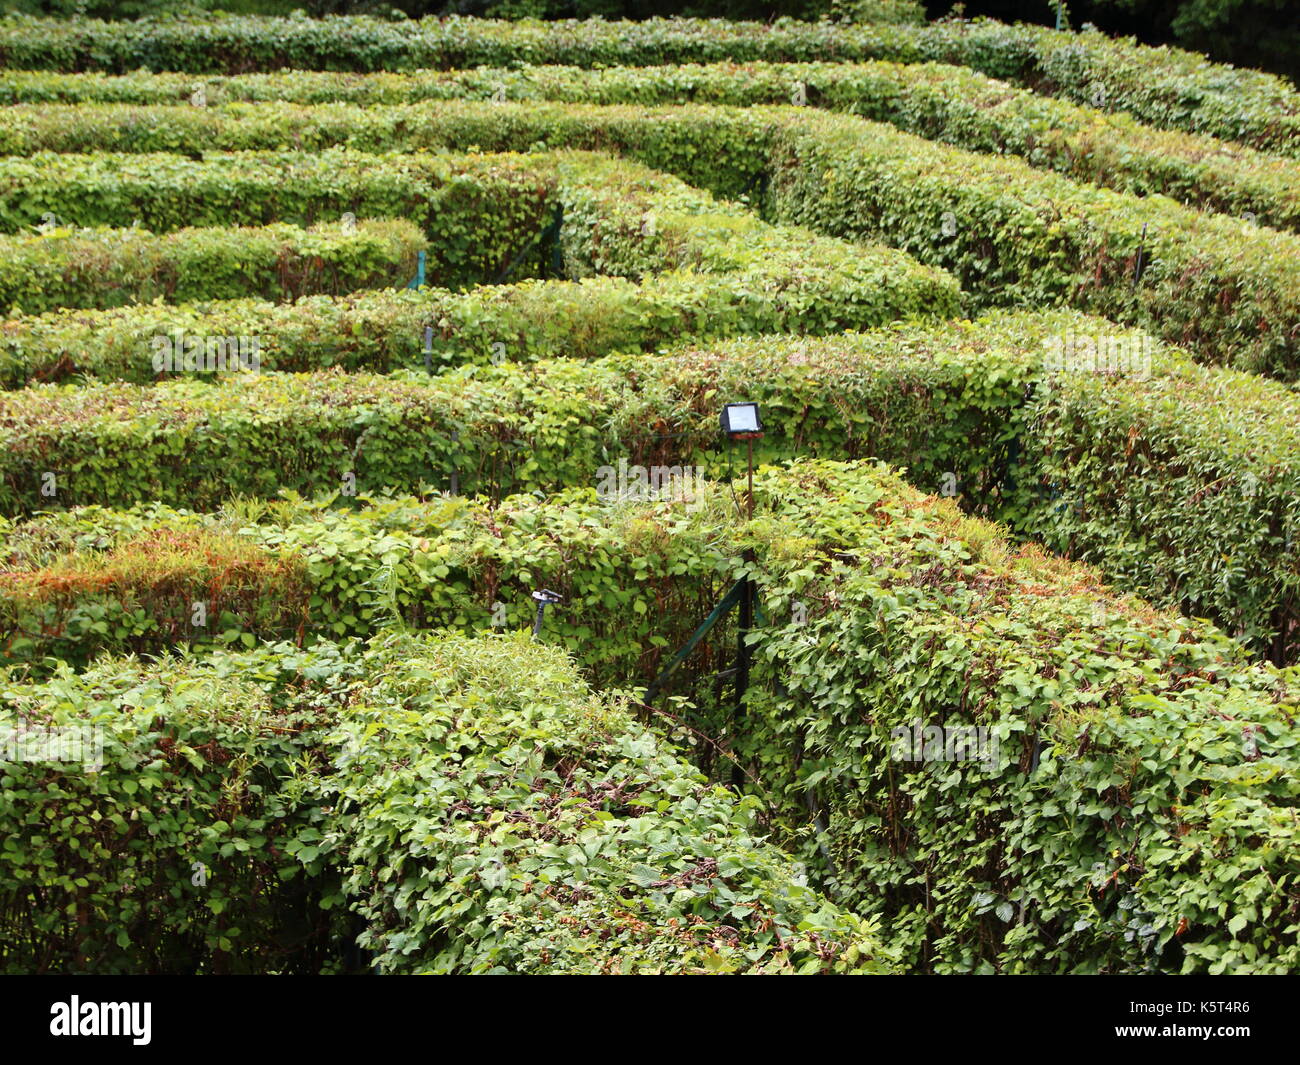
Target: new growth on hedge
(100, 268)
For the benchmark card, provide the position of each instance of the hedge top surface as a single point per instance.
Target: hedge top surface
(554, 833)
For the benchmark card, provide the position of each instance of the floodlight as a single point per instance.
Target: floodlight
(741, 421)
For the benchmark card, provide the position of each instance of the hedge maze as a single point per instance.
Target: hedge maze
(326, 344)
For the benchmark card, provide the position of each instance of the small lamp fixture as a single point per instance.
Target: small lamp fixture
(544, 598)
(740, 421)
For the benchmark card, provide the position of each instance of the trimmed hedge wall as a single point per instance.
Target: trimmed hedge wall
(102, 268)
(1137, 809)
(932, 100)
(1179, 482)
(1228, 292)
(1011, 234)
(705, 269)
(172, 857)
(477, 211)
(636, 577)
(238, 812)
(1183, 485)
(1201, 473)
(1167, 87)
(1154, 831)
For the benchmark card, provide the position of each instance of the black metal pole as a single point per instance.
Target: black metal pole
(746, 622)
(749, 448)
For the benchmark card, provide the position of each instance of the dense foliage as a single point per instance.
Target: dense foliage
(173, 855)
(1166, 87)
(1135, 808)
(1161, 794)
(497, 817)
(475, 816)
(100, 268)
(1227, 289)
(1179, 481)
(933, 100)
(636, 577)
(694, 267)
(268, 700)
(477, 212)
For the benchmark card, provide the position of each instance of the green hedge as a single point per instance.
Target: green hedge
(1011, 234)
(1179, 482)
(932, 100)
(477, 211)
(238, 796)
(1183, 485)
(1227, 291)
(705, 269)
(1153, 832)
(636, 577)
(523, 825)
(1137, 813)
(382, 331)
(102, 268)
(1166, 87)
(171, 856)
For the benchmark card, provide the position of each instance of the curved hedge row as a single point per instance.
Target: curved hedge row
(1133, 805)
(1163, 86)
(932, 100)
(102, 268)
(705, 268)
(1179, 481)
(240, 794)
(1011, 234)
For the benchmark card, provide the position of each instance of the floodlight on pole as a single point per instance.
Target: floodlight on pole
(742, 421)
